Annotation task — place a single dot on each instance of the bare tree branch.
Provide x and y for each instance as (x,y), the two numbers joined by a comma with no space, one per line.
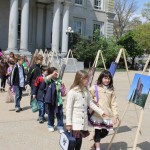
(124,10)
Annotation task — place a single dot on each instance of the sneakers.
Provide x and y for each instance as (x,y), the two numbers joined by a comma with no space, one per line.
(61,131)
(41,120)
(51,129)
(17,109)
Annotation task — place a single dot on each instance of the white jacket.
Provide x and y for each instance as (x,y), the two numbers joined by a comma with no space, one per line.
(76,109)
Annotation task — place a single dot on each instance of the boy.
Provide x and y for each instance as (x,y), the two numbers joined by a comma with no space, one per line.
(53,100)
(17,80)
(34,72)
(39,93)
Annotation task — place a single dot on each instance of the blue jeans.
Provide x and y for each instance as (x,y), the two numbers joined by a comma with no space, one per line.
(59,115)
(41,109)
(18,96)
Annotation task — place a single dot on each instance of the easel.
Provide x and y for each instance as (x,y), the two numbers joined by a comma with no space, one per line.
(68,55)
(52,57)
(33,57)
(97,58)
(94,66)
(140,119)
(63,66)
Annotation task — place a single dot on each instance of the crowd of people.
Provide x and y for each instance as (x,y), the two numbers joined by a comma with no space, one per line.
(96,104)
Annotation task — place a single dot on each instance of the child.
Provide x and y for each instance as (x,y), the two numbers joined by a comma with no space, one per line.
(38,93)
(104,96)
(78,100)
(53,101)
(11,90)
(3,74)
(17,80)
(34,72)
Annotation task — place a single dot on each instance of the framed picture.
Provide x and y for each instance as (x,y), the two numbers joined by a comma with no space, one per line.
(139,90)
(113,68)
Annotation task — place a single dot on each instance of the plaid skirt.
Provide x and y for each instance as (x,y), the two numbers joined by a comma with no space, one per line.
(80,133)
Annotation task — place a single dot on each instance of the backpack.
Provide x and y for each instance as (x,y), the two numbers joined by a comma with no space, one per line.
(67,141)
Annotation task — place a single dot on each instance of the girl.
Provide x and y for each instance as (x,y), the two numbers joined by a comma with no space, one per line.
(3,74)
(53,100)
(103,94)
(11,89)
(78,100)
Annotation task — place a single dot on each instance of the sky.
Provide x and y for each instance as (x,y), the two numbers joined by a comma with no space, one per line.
(140,5)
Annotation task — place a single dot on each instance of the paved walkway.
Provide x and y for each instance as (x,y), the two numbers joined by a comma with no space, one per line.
(21,131)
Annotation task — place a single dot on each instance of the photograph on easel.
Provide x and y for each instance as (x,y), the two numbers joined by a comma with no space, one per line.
(139,90)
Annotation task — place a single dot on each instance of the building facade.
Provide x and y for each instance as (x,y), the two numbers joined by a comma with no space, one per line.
(26,25)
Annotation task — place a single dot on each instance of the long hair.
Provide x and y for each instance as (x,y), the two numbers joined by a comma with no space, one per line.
(80,75)
(103,74)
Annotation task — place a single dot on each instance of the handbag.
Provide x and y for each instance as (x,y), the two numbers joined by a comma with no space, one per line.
(67,141)
(34,105)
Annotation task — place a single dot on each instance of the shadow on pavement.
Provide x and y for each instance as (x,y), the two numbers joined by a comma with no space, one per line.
(114,146)
(23,108)
(122,129)
(144,145)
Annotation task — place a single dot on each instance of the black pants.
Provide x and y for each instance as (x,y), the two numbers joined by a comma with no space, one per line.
(99,134)
(3,82)
(78,144)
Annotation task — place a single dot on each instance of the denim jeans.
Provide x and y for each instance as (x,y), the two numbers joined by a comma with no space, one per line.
(41,109)
(59,115)
(18,96)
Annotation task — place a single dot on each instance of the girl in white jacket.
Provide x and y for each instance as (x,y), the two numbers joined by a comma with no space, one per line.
(78,100)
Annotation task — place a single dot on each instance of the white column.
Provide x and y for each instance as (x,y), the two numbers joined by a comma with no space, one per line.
(40,32)
(65,26)
(13,27)
(49,19)
(56,27)
(24,25)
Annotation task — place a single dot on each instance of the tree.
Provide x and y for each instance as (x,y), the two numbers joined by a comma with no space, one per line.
(146,11)
(131,46)
(124,10)
(86,49)
(142,36)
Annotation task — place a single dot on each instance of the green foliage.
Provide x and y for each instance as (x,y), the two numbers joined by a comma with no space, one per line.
(86,49)
(142,36)
(131,46)
(146,11)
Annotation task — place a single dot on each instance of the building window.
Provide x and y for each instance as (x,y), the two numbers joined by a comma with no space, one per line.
(78,2)
(19,24)
(100,27)
(98,4)
(79,26)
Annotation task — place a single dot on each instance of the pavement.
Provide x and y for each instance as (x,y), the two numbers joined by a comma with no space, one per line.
(21,131)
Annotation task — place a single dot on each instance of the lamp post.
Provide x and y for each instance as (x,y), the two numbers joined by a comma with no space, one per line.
(69,32)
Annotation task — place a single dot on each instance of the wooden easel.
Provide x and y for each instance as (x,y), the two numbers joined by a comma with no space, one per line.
(68,55)
(98,55)
(63,66)
(122,51)
(33,57)
(52,57)
(97,58)
(140,119)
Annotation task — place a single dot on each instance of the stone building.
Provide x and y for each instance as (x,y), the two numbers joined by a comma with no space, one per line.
(26,25)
